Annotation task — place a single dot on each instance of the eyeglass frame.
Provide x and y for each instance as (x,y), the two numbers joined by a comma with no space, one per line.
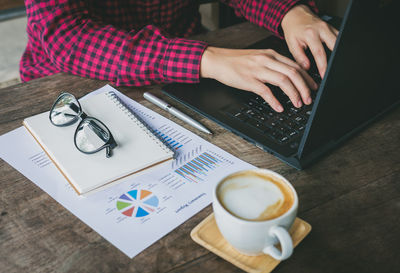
(109,145)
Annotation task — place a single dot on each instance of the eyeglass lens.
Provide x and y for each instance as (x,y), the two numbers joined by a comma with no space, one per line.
(91,135)
(65,110)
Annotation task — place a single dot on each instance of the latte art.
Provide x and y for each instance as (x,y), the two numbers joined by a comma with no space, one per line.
(255,196)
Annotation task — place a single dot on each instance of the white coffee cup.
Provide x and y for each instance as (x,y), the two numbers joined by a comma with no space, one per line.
(242,228)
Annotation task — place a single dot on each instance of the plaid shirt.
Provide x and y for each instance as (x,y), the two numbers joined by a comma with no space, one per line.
(127,42)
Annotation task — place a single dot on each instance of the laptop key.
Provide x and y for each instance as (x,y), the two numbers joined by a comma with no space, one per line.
(233,111)
(294,109)
(257,125)
(283,139)
(260,118)
(301,127)
(250,103)
(250,112)
(271,123)
(264,103)
(299,119)
(241,116)
(282,129)
(282,119)
(289,114)
(268,113)
(290,123)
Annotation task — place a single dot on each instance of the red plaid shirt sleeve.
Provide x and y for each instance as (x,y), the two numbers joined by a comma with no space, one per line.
(266,13)
(75,43)
(67,36)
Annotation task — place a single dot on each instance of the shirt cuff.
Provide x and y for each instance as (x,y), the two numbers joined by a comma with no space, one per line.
(181,62)
(283,7)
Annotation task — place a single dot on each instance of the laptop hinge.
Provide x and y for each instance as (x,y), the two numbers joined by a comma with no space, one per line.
(308,157)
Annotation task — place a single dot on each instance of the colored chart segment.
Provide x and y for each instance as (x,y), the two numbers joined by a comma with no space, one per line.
(197,169)
(137,203)
(144,194)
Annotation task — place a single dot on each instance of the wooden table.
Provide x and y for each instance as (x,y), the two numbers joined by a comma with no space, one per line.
(351,197)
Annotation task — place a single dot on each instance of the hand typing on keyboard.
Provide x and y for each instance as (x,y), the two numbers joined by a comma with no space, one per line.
(250,70)
(302,30)
(282,128)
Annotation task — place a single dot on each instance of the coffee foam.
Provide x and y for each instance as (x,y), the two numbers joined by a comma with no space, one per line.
(255,196)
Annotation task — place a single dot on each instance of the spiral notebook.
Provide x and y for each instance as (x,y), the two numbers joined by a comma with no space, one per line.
(138,148)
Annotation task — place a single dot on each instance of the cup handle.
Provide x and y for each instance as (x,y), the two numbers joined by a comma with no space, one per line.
(285,241)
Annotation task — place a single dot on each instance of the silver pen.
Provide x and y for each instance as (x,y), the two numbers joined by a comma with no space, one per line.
(164,105)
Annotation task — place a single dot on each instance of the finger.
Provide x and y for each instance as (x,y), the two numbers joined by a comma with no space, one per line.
(310,82)
(295,77)
(328,37)
(298,54)
(318,51)
(284,82)
(265,92)
(334,30)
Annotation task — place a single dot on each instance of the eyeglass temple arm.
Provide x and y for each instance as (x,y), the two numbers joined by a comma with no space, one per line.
(74,107)
(108,152)
(98,131)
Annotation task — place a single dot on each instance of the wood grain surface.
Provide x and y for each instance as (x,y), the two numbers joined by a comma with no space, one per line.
(351,197)
(10,4)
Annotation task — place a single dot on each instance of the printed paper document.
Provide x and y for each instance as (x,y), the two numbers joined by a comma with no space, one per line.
(136,212)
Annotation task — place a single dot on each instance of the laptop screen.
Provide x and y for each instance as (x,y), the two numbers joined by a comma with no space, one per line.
(361,80)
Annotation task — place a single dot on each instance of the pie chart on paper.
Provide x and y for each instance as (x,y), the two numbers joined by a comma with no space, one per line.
(137,203)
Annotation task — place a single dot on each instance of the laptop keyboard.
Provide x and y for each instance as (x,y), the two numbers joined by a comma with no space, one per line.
(283,127)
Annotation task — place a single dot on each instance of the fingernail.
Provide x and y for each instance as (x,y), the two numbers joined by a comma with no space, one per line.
(315,86)
(279,108)
(299,103)
(304,65)
(308,100)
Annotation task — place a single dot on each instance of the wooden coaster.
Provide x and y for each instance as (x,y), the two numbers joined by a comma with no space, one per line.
(208,235)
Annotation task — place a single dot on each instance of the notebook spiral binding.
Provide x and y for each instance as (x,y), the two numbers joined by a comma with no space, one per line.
(139,121)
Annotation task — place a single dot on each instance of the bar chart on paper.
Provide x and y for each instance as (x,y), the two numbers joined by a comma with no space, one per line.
(172,137)
(199,167)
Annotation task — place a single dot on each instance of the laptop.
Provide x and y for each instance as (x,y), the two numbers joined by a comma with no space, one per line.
(359,86)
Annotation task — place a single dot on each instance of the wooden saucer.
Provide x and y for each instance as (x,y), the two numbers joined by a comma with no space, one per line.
(208,235)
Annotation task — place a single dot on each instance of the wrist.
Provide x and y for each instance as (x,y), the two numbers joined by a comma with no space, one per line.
(208,62)
(294,14)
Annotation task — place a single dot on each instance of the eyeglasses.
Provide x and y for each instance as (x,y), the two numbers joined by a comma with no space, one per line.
(91,135)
